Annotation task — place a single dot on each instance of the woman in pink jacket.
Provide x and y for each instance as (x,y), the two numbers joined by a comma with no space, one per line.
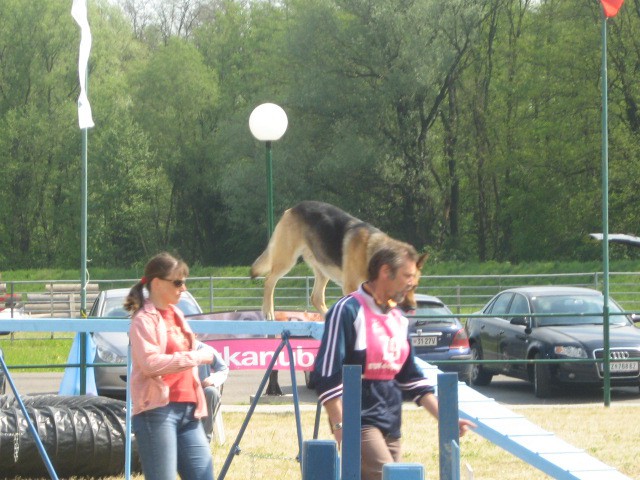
(166,394)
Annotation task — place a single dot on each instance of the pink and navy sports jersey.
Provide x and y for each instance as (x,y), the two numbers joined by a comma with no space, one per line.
(348,324)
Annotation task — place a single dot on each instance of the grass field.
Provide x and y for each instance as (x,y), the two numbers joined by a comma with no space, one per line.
(268,447)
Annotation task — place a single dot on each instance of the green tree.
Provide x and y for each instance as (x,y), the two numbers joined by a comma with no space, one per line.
(243,45)
(35,72)
(174,92)
(373,77)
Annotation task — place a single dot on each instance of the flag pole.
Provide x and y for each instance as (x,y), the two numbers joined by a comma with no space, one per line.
(83,264)
(85,121)
(605,216)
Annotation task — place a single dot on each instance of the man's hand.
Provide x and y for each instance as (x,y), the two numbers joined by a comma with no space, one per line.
(207,382)
(430,404)
(465,425)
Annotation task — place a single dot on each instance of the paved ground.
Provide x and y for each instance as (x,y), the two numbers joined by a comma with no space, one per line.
(239,389)
(242,385)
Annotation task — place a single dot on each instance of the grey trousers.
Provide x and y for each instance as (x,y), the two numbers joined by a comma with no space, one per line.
(212,395)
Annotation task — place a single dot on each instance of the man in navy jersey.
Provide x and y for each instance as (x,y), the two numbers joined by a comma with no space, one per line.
(365,328)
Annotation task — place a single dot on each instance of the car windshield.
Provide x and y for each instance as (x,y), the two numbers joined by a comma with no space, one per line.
(114,307)
(433,309)
(582,305)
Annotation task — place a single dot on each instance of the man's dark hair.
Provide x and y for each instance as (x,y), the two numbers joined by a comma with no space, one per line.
(393,255)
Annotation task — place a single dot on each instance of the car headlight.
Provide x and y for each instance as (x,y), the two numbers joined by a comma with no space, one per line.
(107,356)
(570,351)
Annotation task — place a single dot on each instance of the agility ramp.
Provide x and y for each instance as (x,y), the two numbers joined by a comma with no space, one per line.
(517,435)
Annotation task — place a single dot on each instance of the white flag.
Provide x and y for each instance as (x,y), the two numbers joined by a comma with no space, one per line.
(79,13)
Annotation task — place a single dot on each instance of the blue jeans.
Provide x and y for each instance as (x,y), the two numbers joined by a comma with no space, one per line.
(171,440)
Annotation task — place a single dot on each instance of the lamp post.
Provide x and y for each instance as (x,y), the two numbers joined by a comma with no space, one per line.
(267,123)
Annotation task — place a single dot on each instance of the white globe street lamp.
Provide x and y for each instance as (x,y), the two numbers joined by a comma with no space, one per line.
(267,123)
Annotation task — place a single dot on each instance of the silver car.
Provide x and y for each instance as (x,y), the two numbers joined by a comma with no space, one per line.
(111,347)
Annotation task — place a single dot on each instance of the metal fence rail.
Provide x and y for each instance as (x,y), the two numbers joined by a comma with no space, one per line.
(463,293)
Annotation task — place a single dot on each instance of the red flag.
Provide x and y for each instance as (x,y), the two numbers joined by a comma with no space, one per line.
(611,7)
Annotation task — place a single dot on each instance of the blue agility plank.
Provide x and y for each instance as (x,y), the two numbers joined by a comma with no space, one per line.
(402,471)
(514,433)
(351,434)
(259,327)
(448,430)
(455,460)
(320,460)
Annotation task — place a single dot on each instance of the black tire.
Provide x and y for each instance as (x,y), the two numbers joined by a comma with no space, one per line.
(542,384)
(307,380)
(464,375)
(478,375)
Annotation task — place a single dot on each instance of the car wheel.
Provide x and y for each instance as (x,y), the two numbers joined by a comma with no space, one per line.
(542,386)
(479,375)
(307,380)
(464,375)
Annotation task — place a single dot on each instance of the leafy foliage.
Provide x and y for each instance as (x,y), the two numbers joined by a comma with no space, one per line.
(470,128)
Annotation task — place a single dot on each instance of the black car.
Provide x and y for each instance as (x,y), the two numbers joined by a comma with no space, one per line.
(522,326)
(439,338)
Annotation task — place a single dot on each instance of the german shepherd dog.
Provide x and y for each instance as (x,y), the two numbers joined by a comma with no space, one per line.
(336,245)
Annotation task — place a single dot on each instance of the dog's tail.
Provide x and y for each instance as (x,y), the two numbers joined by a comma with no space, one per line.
(262,265)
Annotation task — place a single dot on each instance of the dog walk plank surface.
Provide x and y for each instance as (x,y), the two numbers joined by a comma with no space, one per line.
(531,443)
(527,441)
(543,444)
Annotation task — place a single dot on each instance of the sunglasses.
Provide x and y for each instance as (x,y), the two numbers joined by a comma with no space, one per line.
(176,283)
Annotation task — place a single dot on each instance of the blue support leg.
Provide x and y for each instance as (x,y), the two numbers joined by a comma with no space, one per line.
(127,422)
(32,429)
(351,408)
(235,448)
(448,430)
(316,423)
(294,388)
(455,460)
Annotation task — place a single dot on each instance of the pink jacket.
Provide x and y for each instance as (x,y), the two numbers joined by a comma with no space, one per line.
(148,336)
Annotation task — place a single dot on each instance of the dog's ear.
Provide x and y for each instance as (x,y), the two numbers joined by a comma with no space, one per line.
(421,260)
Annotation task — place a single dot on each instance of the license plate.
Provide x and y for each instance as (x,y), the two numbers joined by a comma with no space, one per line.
(424,341)
(623,366)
